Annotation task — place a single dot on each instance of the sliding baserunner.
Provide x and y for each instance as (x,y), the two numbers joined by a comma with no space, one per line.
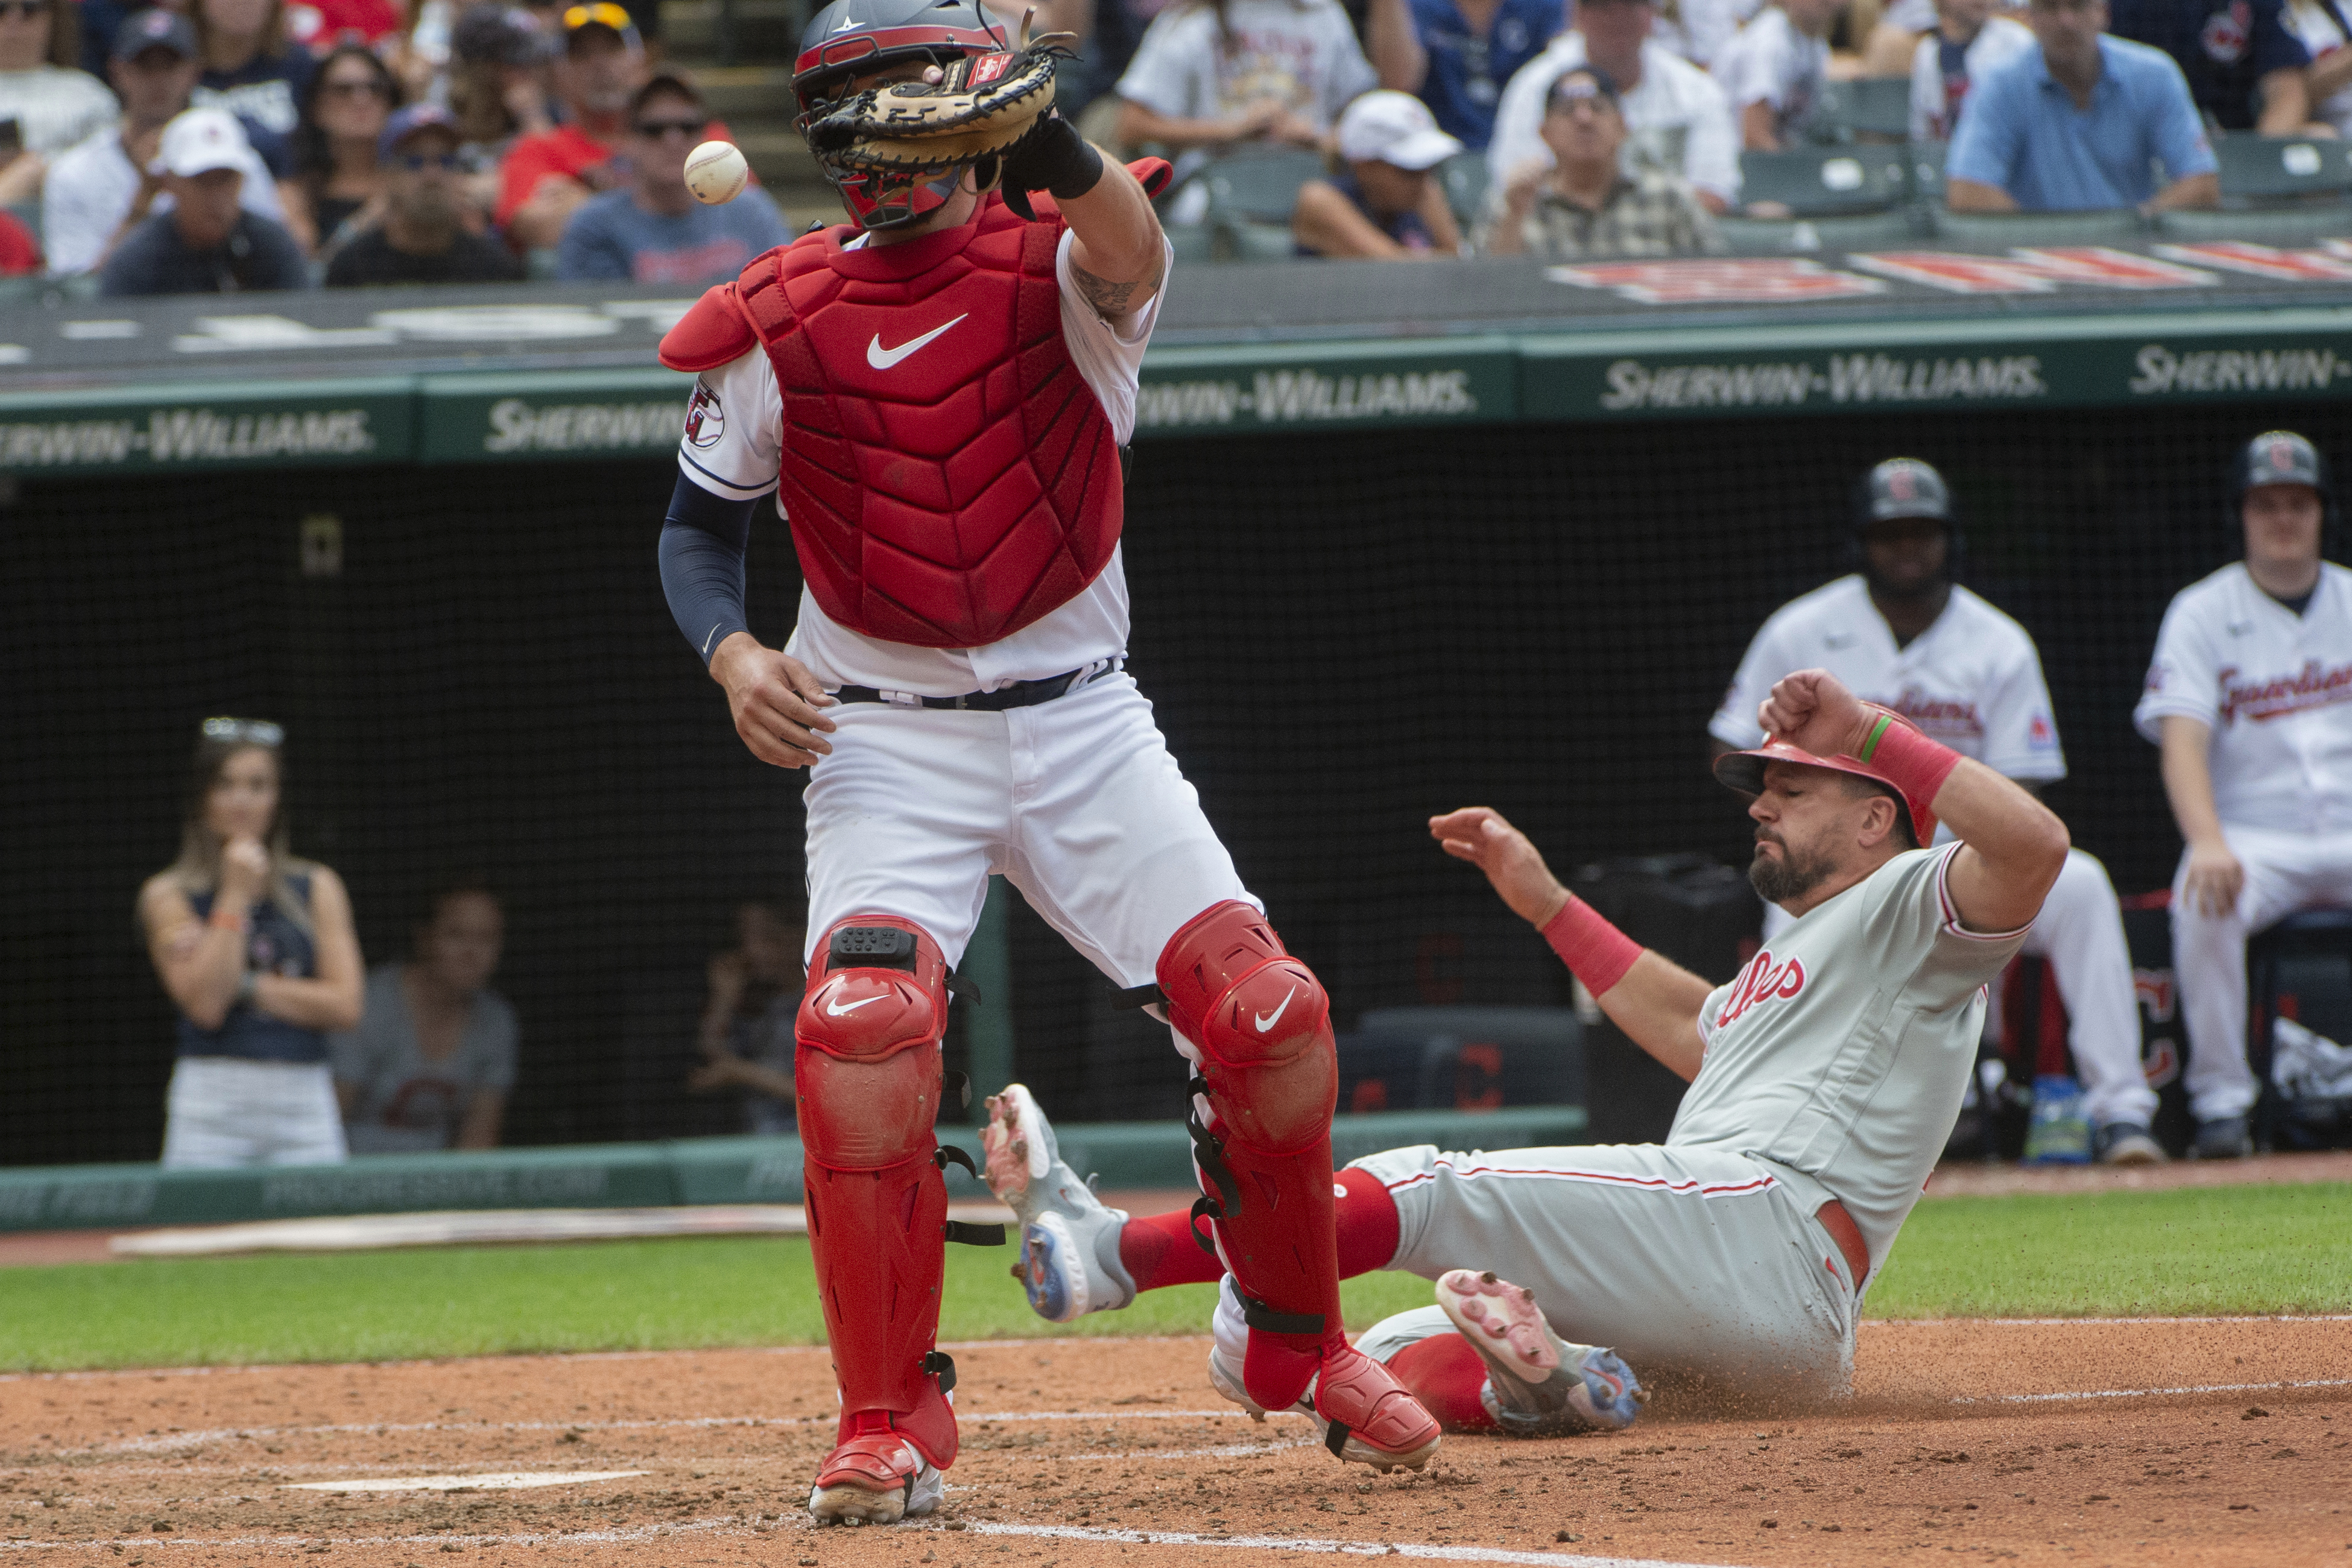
(1823,1082)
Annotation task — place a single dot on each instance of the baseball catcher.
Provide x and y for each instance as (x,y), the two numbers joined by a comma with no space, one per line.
(1824,1080)
(940,393)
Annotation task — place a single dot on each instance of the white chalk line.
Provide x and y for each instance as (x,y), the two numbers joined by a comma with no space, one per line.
(2154,1392)
(165,1441)
(2070,1322)
(730,1525)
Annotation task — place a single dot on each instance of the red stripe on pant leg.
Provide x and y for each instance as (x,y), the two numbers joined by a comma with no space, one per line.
(1368,1224)
(1158,1251)
(1445,1375)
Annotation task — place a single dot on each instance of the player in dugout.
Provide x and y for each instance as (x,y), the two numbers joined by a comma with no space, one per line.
(2247,696)
(1900,631)
(939,395)
(1824,1080)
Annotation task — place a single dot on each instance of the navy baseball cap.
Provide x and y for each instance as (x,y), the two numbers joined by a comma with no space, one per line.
(408,122)
(155,29)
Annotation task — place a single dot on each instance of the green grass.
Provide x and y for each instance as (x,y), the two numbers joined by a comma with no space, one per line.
(2208,1250)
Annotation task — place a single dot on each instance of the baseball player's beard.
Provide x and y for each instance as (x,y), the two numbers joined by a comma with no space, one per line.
(1792,876)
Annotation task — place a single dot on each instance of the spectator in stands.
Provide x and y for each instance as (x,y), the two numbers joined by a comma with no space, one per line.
(206,243)
(322,26)
(1666,101)
(1967,43)
(1586,206)
(1382,203)
(257,950)
(547,176)
(2246,697)
(501,87)
(1213,74)
(1696,30)
(256,72)
(2075,124)
(1774,71)
(1902,633)
(337,174)
(1107,33)
(1892,44)
(1458,54)
(433,1060)
(53,103)
(2324,30)
(422,236)
(652,230)
(101,189)
(2246,67)
(745,1038)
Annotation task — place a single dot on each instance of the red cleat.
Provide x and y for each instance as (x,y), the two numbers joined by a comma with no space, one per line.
(876,1477)
(1366,1415)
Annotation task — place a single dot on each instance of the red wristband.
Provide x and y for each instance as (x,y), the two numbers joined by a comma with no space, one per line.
(1906,759)
(1594,951)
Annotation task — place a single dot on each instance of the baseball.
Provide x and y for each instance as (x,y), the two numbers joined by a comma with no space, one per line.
(715,172)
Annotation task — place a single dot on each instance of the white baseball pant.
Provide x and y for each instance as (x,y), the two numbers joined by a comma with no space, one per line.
(1077,802)
(1692,1263)
(2080,932)
(2284,872)
(223,1111)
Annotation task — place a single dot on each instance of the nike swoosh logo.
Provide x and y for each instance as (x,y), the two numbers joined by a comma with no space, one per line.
(1268,1020)
(881,358)
(834,1010)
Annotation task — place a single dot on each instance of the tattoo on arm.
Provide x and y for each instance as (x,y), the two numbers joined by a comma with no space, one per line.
(1113,298)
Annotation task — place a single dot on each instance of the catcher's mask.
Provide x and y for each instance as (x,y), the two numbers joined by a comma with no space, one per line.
(853,38)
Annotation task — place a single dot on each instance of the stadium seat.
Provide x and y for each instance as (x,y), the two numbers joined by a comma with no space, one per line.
(1192,241)
(2290,226)
(1260,185)
(1995,231)
(1872,106)
(1816,182)
(1924,166)
(2260,170)
(1242,240)
(1462,1059)
(1802,236)
(1463,175)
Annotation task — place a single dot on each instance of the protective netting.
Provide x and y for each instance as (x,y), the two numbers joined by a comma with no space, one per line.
(1343,633)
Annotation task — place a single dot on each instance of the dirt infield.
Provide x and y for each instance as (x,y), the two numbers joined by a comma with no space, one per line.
(2216,1441)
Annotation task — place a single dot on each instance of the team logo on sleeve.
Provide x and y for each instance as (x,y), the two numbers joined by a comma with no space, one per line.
(1764,979)
(2040,736)
(706,422)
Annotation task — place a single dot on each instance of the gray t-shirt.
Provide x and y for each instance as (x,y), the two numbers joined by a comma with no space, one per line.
(1842,1051)
(611,238)
(408,1105)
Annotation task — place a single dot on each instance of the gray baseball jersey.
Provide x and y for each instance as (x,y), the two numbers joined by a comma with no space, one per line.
(1833,1067)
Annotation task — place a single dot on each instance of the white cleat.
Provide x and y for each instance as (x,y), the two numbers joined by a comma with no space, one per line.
(1069,1241)
(1538,1384)
(875,1479)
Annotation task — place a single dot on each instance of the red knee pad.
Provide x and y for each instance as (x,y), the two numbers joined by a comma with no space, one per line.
(1263,1026)
(868,1067)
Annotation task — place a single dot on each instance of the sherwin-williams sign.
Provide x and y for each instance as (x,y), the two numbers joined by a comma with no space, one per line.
(210,427)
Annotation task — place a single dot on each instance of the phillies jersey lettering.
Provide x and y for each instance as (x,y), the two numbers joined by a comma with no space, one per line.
(1841,1054)
(1765,979)
(1972,680)
(2274,688)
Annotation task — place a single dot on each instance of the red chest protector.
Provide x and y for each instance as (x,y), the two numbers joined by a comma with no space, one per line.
(949,476)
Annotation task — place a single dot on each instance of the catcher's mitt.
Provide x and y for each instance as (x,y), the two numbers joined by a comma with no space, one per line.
(982,107)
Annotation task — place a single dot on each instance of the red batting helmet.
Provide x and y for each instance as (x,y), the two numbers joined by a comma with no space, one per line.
(1743,771)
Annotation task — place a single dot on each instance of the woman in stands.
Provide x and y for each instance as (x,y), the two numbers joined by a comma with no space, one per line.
(258,952)
(336,173)
(51,103)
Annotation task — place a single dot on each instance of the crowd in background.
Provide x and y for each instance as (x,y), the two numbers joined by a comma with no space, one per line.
(212,146)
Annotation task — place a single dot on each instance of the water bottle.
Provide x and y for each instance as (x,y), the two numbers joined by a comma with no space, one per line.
(2057,1134)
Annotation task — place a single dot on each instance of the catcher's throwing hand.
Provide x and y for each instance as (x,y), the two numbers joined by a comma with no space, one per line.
(1480,835)
(1813,711)
(777,703)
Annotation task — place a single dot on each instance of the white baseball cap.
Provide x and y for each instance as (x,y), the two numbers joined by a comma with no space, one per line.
(199,140)
(1395,128)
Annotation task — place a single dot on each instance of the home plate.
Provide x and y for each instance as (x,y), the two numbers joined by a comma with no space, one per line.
(497,1481)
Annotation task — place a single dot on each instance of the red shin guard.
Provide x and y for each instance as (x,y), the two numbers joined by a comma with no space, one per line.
(867,1074)
(1446,1376)
(1269,1073)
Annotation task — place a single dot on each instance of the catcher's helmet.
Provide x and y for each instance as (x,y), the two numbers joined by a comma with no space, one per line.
(1744,772)
(850,38)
